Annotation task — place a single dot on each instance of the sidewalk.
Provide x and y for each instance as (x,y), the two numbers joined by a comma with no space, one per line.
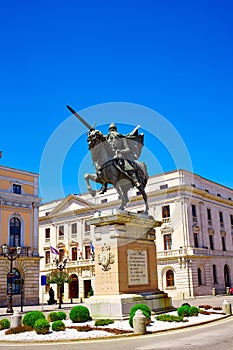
(204,300)
(197,301)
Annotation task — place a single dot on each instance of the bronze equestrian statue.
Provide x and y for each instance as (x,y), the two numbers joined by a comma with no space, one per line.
(115,157)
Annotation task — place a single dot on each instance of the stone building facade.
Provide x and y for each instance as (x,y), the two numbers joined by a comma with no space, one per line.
(194,243)
(19,205)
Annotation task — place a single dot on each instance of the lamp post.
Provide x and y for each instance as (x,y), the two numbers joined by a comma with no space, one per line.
(11,256)
(60,266)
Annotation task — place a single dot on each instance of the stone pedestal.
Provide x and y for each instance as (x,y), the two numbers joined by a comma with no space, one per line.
(125,266)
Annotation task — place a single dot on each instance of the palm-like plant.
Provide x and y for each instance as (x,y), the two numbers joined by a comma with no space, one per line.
(58,277)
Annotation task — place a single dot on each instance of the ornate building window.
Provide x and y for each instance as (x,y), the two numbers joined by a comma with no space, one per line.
(74,253)
(221,219)
(231,221)
(166,211)
(61,232)
(199,276)
(194,213)
(87,252)
(211,241)
(209,217)
(223,243)
(16,189)
(167,240)
(195,239)
(170,280)
(15,232)
(74,229)
(47,257)
(61,254)
(87,227)
(215,280)
(47,234)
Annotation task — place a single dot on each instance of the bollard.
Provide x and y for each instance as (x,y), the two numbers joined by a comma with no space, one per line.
(16,319)
(139,322)
(226,307)
(213,292)
(228,290)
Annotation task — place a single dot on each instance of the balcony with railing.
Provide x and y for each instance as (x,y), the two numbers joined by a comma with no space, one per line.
(192,251)
(81,262)
(25,251)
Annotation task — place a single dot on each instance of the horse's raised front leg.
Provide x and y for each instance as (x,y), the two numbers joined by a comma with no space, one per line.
(91,177)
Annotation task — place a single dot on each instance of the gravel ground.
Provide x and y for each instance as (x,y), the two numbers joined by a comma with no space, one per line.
(69,334)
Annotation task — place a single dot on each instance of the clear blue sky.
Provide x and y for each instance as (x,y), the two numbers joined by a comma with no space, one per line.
(174,57)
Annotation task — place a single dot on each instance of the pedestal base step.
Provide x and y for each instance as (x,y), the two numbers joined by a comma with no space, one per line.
(118,307)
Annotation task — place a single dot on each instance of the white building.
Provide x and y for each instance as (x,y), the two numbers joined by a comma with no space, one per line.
(194,243)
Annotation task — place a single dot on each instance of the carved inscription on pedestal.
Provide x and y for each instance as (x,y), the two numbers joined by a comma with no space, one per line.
(137,267)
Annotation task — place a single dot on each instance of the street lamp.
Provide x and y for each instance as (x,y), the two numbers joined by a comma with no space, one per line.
(60,266)
(11,256)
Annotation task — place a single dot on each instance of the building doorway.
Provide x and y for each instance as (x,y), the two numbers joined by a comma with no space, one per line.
(73,287)
(227,276)
(87,287)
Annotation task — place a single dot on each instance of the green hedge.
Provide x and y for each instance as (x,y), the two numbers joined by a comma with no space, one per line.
(31,317)
(55,316)
(103,322)
(186,311)
(4,323)
(58,326)
(170,318)
(42,326)
(79,314)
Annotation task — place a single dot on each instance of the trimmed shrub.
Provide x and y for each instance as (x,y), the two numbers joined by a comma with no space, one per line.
(61,315)
(103,322)
(183,311)
(193,311)
(79,314)
(19,329)
(58,326)
(55,316)
(31,317)
(42,326)
(52,316)
(142,307)
(4,323)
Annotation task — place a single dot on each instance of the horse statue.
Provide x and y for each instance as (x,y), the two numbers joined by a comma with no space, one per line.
(114,157)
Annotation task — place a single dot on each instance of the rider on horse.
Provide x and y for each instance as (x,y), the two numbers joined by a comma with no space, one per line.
(125,149)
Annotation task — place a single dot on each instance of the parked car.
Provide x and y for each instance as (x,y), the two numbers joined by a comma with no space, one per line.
(231,291)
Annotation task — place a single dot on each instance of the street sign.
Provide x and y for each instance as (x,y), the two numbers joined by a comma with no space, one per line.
(43,280)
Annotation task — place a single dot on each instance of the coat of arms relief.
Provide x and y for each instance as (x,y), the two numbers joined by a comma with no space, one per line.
(105,258)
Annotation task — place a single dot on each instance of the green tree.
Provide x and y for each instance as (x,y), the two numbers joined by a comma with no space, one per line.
(58,277)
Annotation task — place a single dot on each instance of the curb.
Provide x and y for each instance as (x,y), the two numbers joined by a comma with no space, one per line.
(112,337)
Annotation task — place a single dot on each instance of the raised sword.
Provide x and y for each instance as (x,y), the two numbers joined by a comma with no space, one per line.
(87,125)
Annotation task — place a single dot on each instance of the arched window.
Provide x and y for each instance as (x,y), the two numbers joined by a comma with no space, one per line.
(215,280)
(16,282)
(15,231)
(170,281)
(199,275)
